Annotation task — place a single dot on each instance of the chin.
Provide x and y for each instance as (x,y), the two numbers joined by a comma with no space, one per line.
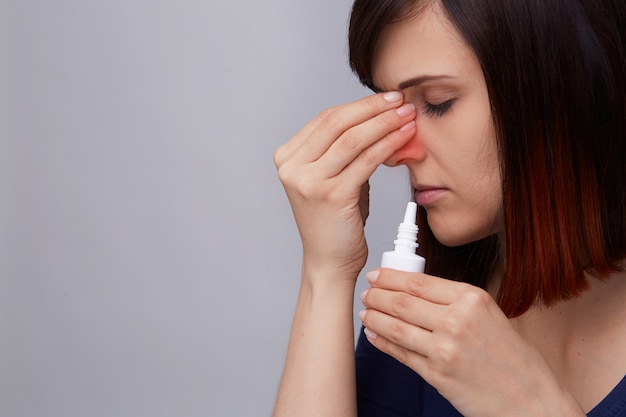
(453,241)
(459,237)
(455,231)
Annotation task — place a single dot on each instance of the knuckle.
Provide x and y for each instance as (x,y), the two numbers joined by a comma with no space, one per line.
(399,304)
(307,187)
(389,118)
(372,103)
(325,113)
(416,284)
(474,298)
(397,332)
(454,325)
(331,121)
(447,354)
(402,355)
(369,156)
(284,174)
(349,141)
(279,156)
(296,182)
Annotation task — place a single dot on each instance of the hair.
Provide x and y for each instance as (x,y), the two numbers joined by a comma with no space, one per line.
(555,72)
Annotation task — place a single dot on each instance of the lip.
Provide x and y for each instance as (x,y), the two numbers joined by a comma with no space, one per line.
(426,195)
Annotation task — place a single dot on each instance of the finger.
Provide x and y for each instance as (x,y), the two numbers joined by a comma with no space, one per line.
(413,339)
(372,157)
(434,289)
(333,123)
(286,150)
(412,359)
(408,308)
(349,146)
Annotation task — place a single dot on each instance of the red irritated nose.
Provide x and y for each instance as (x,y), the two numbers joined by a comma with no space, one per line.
(413,150)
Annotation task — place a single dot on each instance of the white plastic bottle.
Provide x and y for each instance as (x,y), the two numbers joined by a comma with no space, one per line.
(403,257)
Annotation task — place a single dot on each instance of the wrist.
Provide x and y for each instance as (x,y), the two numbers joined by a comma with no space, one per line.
(327,272)
(328,283)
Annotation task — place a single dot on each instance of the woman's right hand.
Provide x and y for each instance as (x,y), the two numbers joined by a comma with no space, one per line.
(325,169)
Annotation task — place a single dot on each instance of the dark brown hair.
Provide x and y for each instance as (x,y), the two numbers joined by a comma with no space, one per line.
(555,72)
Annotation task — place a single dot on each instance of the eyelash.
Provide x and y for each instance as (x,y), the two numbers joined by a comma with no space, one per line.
(436,110)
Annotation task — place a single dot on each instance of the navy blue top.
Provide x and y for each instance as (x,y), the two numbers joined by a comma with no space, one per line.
(387,388)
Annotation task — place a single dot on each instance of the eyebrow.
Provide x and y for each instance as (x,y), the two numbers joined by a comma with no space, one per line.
(415,81)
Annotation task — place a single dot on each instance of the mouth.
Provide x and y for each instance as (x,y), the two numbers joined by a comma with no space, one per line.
(427,195)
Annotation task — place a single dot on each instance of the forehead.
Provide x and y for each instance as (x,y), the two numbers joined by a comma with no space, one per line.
(427,44)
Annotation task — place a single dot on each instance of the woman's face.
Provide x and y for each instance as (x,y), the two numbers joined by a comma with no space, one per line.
(453,159)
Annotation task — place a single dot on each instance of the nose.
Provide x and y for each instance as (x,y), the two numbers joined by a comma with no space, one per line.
(412,151)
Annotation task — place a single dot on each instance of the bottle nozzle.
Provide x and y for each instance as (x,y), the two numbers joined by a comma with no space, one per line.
(403,257)
(407,230)
(411,213)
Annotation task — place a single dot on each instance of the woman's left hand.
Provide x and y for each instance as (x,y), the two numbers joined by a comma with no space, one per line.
(456,337)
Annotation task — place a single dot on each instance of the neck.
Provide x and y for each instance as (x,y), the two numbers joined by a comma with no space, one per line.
(602,302)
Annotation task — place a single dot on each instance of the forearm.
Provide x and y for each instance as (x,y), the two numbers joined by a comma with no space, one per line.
(319,377)
(324,169)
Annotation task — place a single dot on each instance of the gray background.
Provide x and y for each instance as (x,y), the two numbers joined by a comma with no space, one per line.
(148,257)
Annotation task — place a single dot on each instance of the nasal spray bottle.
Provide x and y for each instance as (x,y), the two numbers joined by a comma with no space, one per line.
(403,257)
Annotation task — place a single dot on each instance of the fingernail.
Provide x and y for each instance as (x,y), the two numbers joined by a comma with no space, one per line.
(406,109)
(372,276)
(362,315)
(393,96)
(370,334)
(363,294)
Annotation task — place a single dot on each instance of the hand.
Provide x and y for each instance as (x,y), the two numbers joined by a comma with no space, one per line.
(325,168)
(456,337)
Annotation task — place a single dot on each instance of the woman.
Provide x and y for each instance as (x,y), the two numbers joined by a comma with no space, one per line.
(509,116)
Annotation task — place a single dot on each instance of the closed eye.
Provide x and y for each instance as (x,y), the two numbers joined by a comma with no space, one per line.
(436,110)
